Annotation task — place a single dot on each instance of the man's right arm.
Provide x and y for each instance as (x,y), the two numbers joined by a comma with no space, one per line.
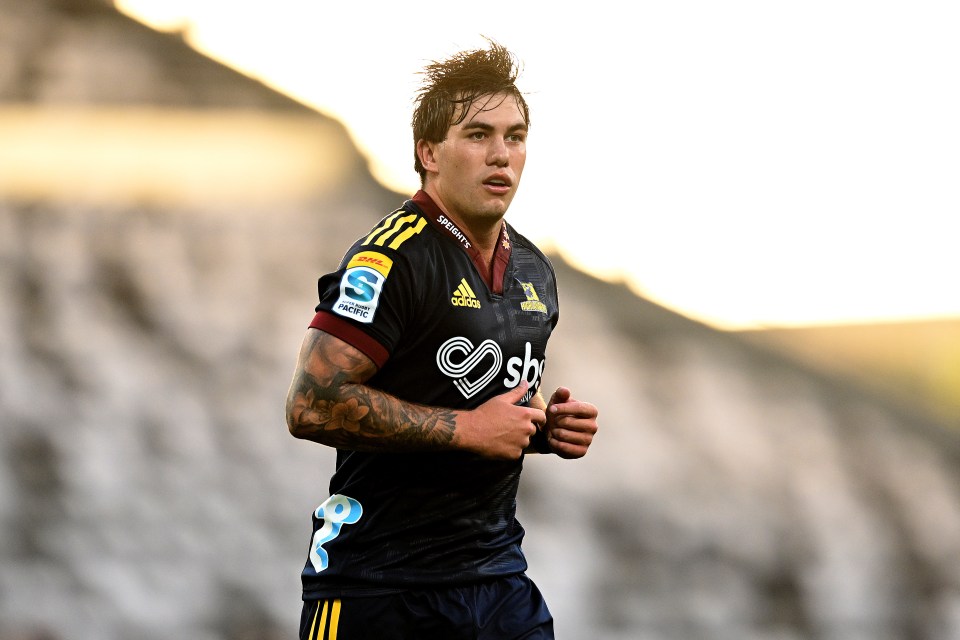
(329,403)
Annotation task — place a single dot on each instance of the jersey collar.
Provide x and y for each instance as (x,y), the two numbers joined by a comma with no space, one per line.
(501,253)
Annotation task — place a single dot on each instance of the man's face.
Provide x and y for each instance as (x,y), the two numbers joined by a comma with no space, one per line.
(476,170)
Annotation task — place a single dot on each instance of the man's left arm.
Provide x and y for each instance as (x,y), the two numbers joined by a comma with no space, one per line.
(571,424)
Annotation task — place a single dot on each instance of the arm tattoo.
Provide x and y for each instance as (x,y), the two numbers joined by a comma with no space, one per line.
(329,403)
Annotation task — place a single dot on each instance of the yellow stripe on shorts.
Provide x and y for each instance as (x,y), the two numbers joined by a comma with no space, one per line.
(328,626)
(334,619)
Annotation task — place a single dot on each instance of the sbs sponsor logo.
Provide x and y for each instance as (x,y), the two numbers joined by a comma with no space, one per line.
(458,359)
(529,369)
(474,367)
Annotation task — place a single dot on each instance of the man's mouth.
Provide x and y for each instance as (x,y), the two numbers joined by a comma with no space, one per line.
(497,182)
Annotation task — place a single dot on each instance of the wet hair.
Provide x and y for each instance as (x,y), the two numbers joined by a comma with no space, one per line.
(450,87)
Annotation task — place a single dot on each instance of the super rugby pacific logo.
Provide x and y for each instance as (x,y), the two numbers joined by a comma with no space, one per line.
(472,368)
(361,285)
(359,294)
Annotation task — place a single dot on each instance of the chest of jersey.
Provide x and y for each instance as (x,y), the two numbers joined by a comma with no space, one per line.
(466,344)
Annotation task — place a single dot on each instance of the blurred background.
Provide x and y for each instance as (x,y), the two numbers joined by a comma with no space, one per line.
(773,337)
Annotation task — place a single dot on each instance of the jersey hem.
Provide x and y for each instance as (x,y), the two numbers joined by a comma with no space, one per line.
(370,591)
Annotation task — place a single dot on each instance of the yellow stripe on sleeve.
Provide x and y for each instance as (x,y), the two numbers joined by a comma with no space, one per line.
(386,225)
(403,237)
(394,228)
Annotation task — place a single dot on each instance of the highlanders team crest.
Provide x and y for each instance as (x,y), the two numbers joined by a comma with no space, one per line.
(532,303)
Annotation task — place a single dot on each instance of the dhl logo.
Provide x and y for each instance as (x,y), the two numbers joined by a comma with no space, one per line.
(376,261)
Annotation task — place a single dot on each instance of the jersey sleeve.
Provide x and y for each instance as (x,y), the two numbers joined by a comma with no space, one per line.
(368,301)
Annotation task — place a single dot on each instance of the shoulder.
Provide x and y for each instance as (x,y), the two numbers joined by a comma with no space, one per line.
(396,229)
(521,241)
(379,285)
(395,234)
(402,236)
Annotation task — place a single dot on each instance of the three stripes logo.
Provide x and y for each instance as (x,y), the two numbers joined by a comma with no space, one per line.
(396,229)
(326,620)
(464,296)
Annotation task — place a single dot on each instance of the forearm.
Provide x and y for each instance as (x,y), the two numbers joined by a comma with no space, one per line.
(357,417)
(329,403)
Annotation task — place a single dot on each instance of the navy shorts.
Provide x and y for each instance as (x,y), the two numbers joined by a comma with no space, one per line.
(510,608)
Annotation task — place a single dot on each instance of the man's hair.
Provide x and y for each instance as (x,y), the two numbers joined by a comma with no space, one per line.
(450,87)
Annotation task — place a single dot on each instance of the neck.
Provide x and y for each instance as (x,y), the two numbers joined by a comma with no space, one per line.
(490,261)
(483,232)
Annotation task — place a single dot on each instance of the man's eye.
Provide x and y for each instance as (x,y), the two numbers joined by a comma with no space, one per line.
(517,137)
(477,135)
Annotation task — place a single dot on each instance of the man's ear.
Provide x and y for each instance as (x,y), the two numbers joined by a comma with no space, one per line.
(427,152)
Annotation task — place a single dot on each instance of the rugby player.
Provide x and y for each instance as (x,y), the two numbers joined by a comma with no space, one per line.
(422,367)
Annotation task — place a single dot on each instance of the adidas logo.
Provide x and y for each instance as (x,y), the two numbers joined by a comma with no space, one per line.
(464,296)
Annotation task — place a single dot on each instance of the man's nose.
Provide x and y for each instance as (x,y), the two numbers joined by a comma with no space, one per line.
(497,154)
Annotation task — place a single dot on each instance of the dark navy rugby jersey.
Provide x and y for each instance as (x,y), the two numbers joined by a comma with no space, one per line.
(409,295)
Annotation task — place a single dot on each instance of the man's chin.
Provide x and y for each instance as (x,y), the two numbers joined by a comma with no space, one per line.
(497,207)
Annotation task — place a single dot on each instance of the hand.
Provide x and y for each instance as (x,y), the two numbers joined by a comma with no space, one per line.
(499,428)
(571,424)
